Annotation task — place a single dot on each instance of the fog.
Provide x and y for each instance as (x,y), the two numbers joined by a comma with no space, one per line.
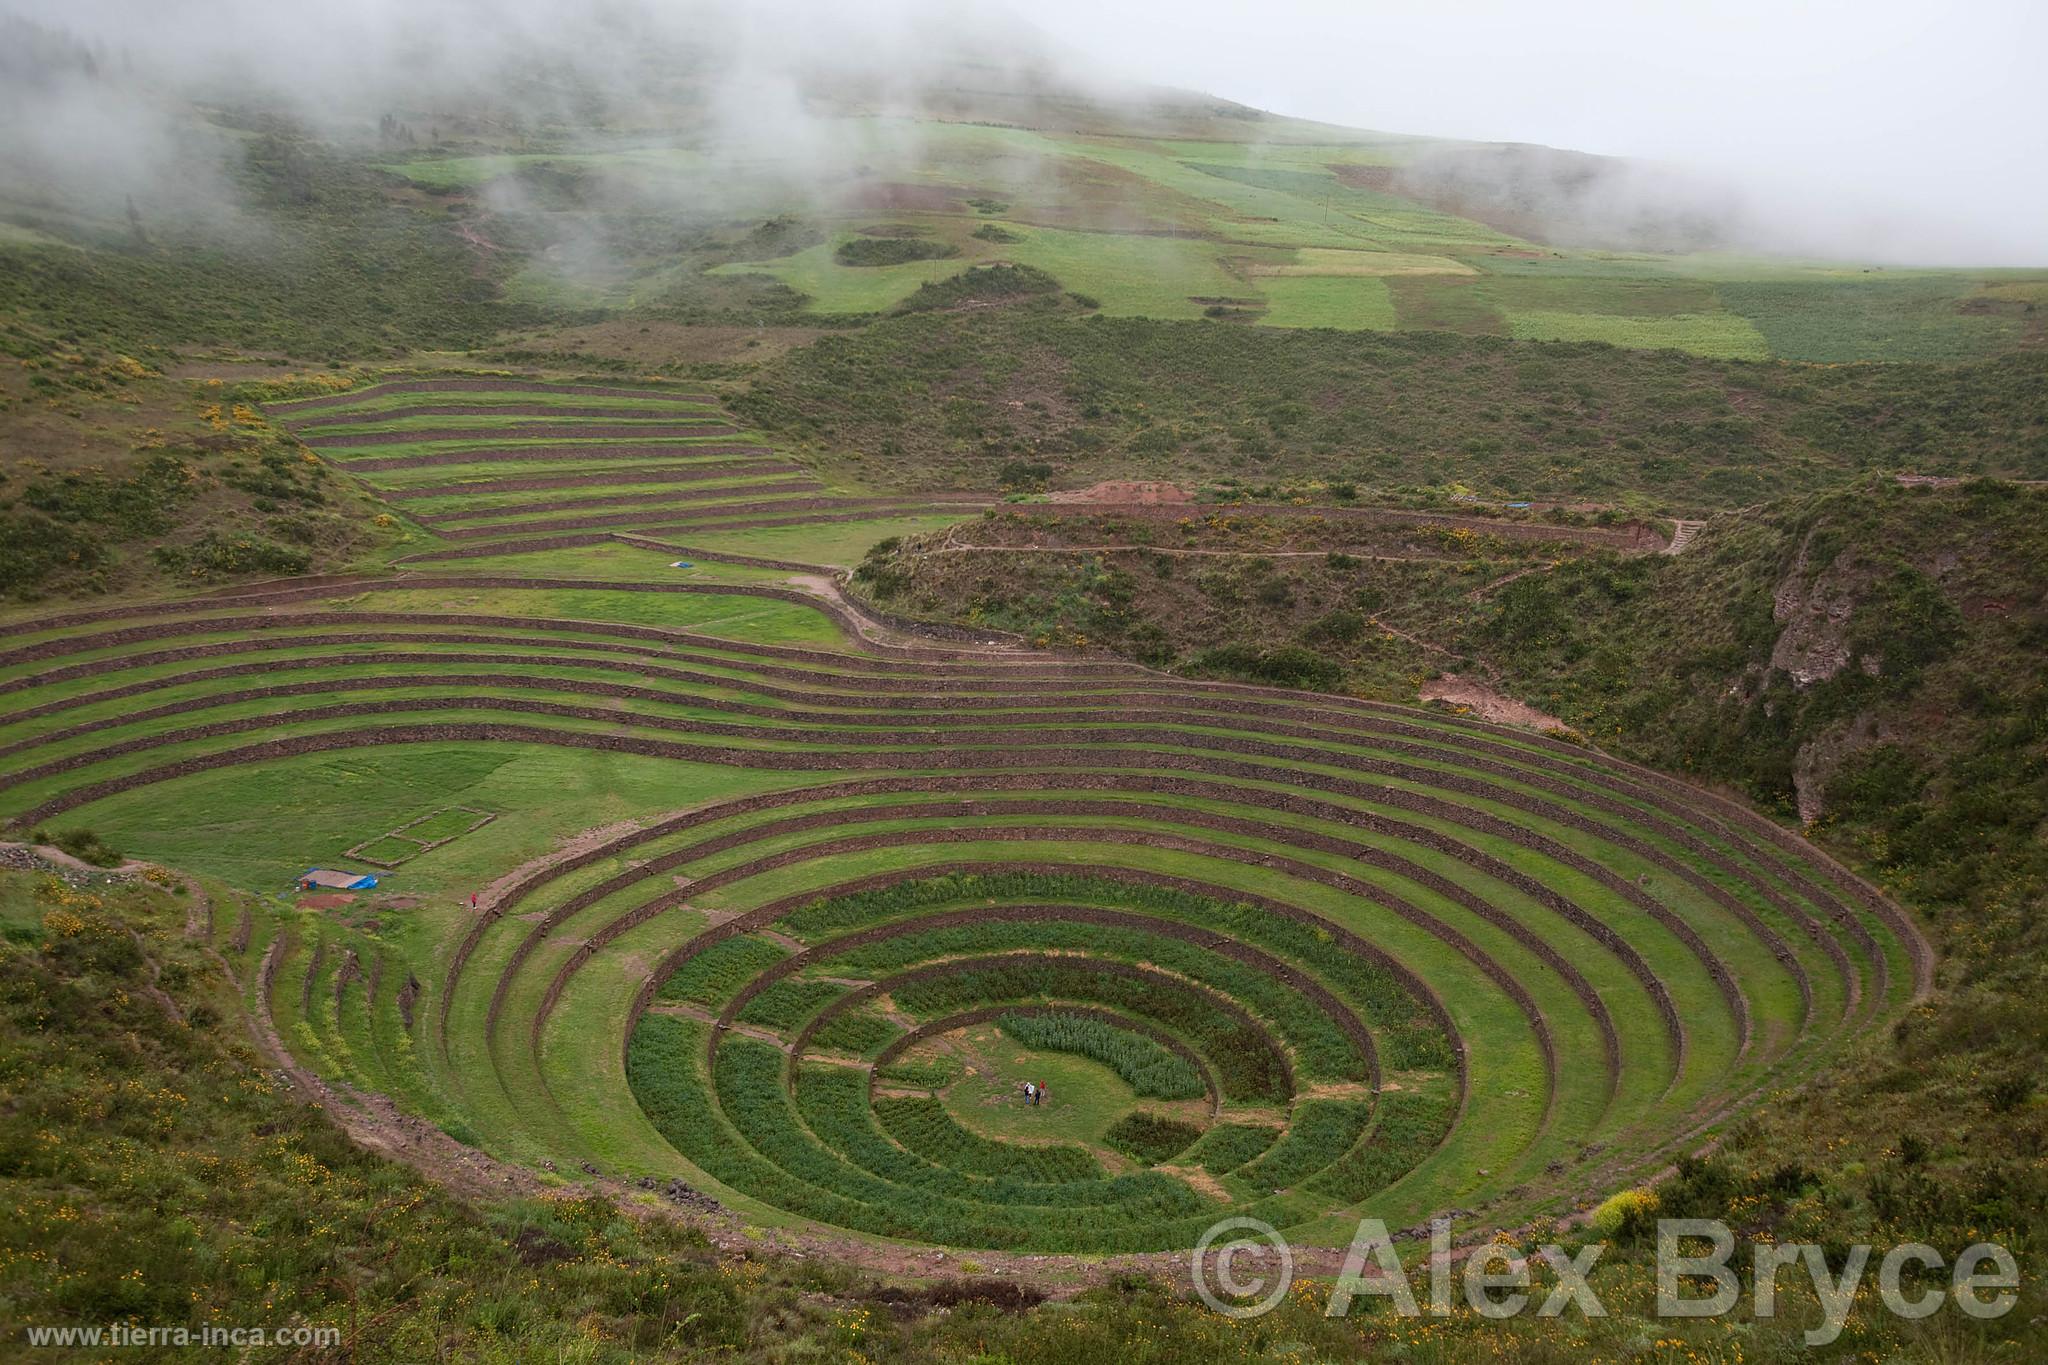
(1880,131)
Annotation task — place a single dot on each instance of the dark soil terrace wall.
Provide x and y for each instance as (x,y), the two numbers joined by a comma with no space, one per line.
(548,454)
(538,509)
(470,384)
(689,473)
(530,431)
(338,419)
(678,516)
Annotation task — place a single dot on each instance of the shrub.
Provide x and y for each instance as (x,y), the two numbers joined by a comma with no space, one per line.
(84,845)
(871,251)
(1628,1216)
(1288,666)
(984,283)
(1024,475)
(214,555)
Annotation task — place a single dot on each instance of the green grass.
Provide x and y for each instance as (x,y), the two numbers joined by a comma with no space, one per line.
(1844,318)
(1713,334)
(1129,276)
(261,825)
(750,619)
(1352,303)
(833,287)
(1084,1098)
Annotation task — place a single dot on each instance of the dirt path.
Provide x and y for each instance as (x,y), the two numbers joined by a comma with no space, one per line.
(1488,704)
(875,631)
(1487,590)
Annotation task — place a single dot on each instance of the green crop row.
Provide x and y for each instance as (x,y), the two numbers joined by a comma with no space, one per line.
(1409,1124)
(1322,1132)
(833,1101)
(864,1031)
(1149,1068)
(789,1002)
(1408,1036)
(923,1126)
(1150,1138)
(1248,1067)
(1322,1050)
(747,1081)
(939,1071)
(712,976)
(1228,1146)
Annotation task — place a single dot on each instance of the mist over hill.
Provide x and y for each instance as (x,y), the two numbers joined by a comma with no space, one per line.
(104,104)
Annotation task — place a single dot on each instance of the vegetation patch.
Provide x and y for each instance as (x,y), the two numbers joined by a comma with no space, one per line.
(1149,1068)
(1151,1138)
(873,251)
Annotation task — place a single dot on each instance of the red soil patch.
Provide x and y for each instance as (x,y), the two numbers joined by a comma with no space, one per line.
(1125,490)
(333,902)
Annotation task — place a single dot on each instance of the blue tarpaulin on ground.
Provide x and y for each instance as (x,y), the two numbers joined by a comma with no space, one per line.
(324,879)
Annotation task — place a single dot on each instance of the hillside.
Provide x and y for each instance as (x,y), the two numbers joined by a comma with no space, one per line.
(518,184)
(1869,658)
(682,687)
(1029,396)
(1872,660)
(122,995)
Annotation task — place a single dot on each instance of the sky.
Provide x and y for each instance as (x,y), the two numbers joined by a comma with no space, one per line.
(1917,124)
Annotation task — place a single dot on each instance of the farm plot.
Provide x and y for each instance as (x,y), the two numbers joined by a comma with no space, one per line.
(1288,952)
(494,466)
(421,835)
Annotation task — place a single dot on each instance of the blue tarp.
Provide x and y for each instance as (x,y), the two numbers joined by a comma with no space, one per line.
(325,879)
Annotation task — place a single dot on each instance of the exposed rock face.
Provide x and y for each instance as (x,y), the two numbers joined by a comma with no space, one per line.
(1815,610)
(1814,645)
